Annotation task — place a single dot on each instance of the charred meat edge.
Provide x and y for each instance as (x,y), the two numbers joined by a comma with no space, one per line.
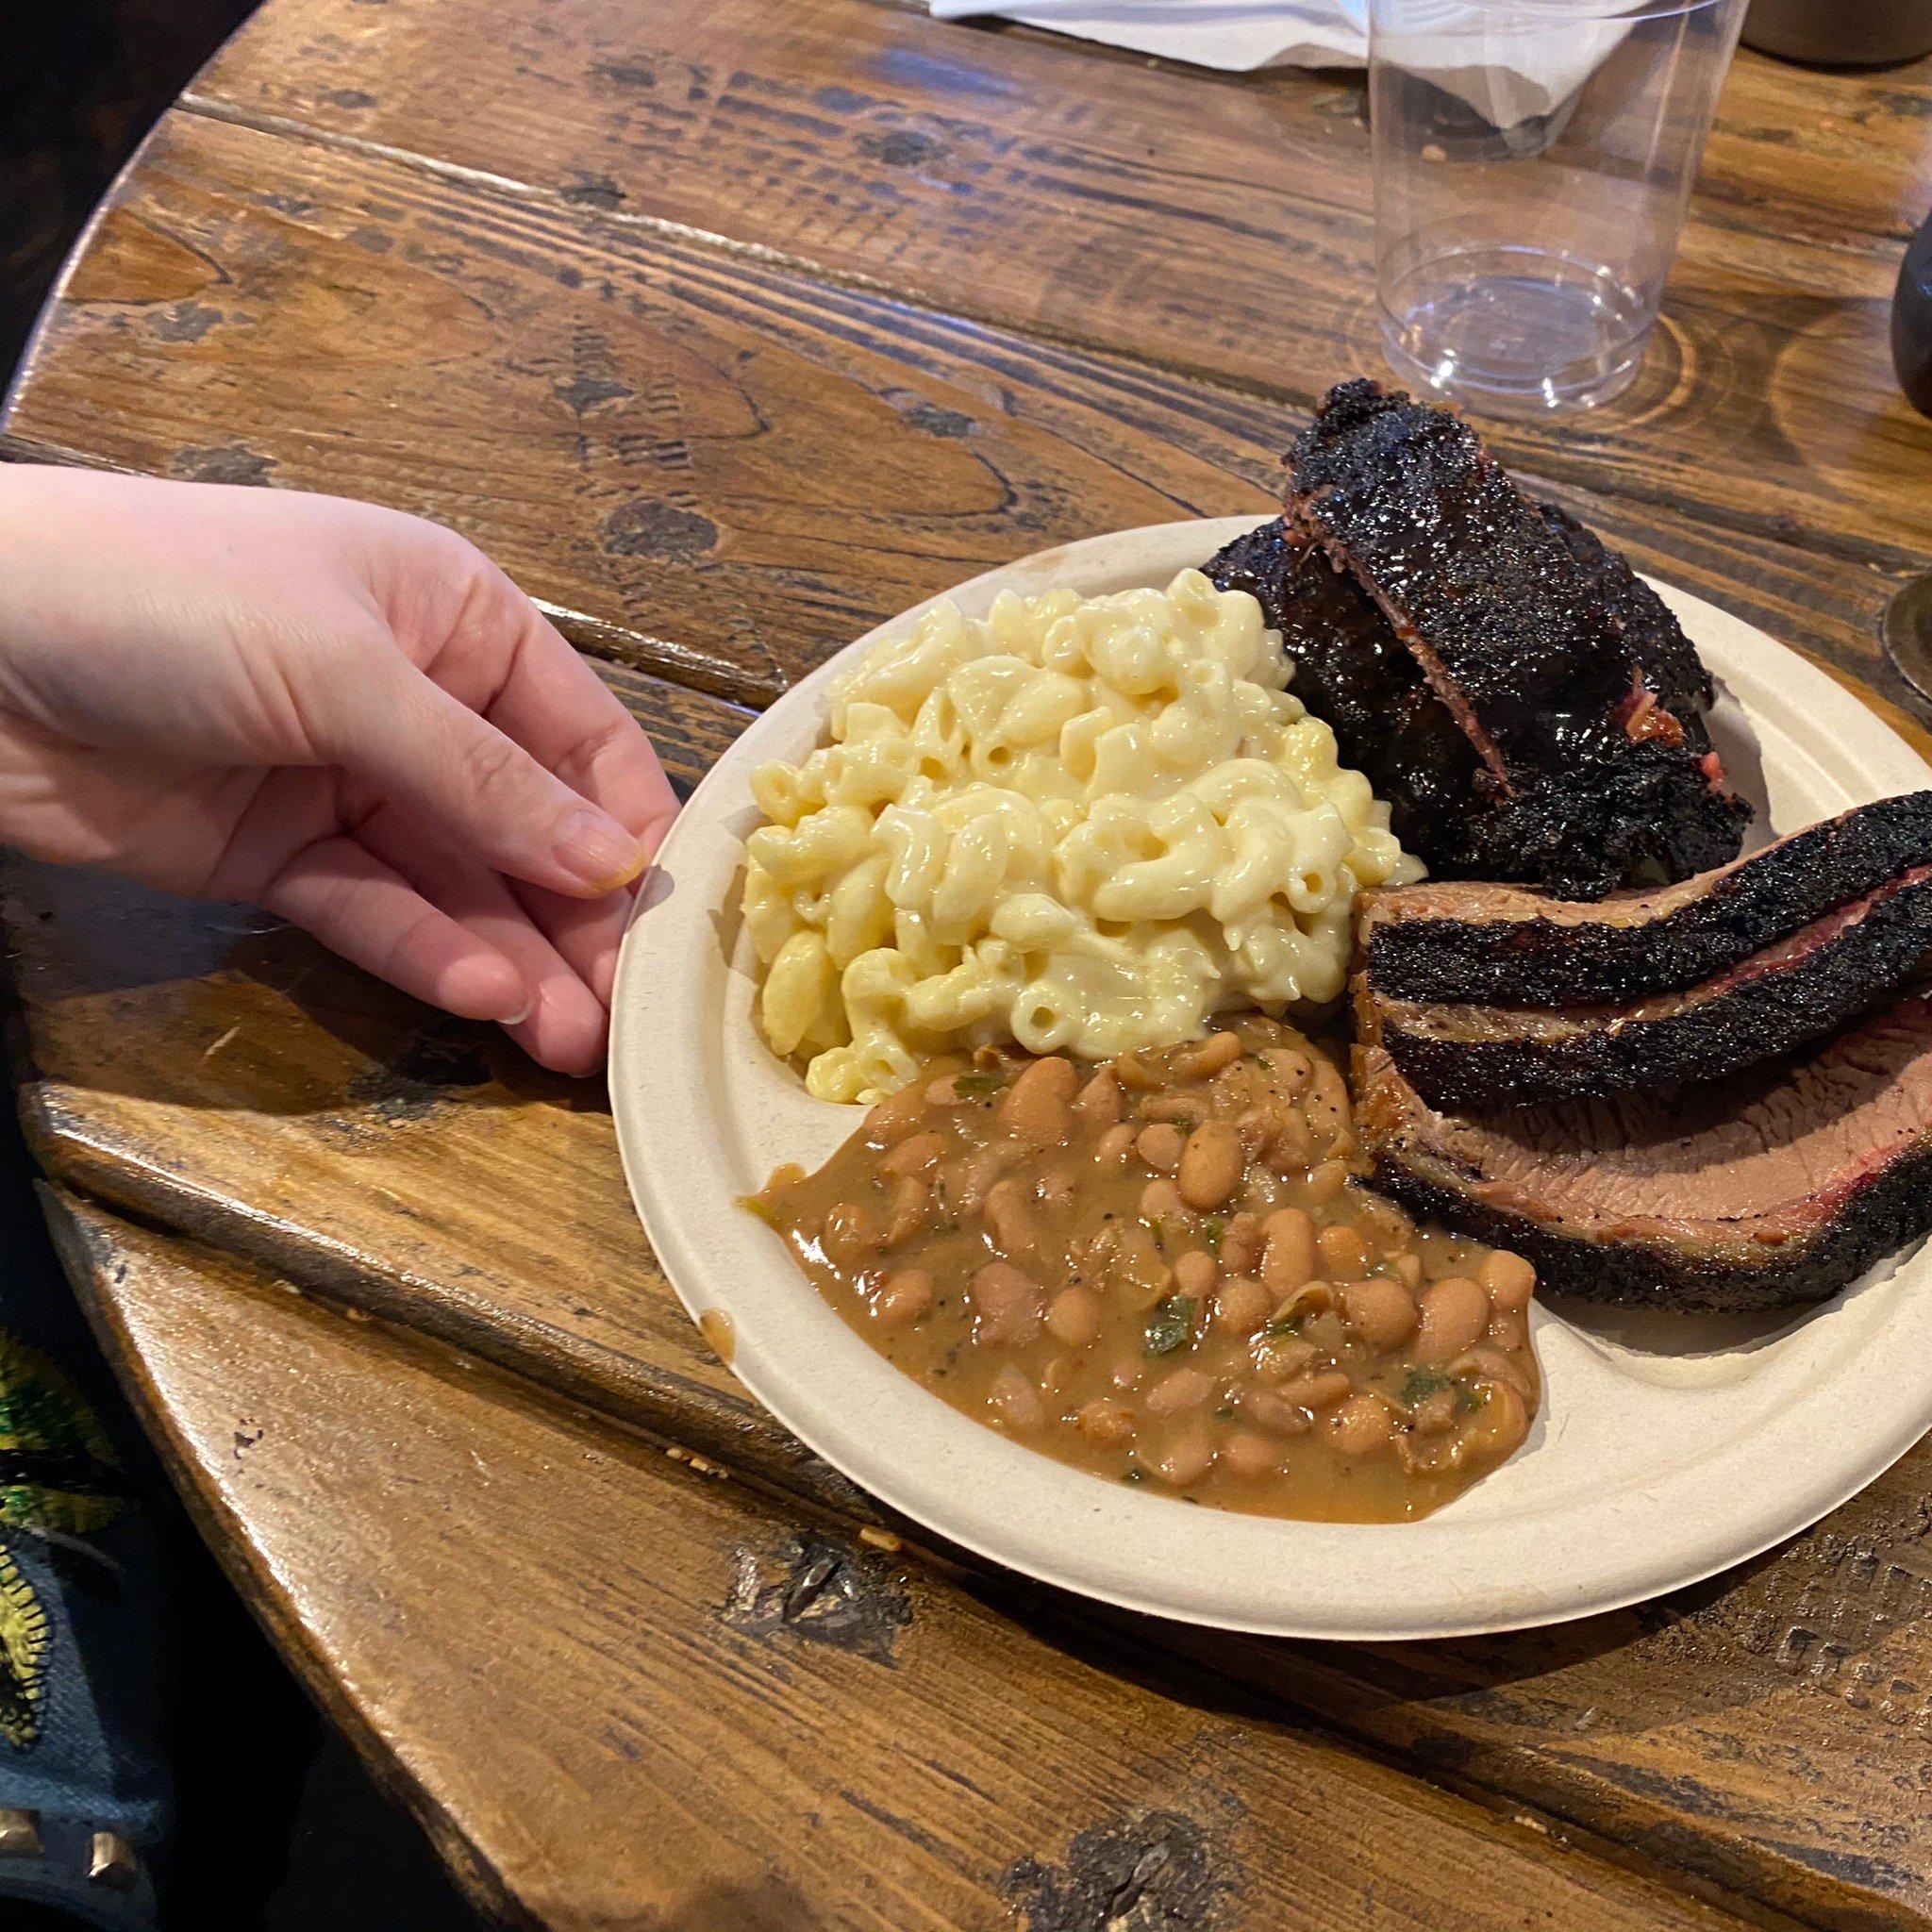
(1537,639)
(1476,1058)
(1466,941)
(1819,1242)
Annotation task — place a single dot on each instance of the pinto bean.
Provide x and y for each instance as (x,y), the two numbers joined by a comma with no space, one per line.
(1327,1104)
(1288,1258)
(1055,1191)
(1178,1389)
(1106,1424)
(911,1200)
(897,1114)
(1509,1332)
(1282,1360)
(1011,1218)
(1251,1456)
(1015,1400)
(1455,1313)
(1242,1243)
(847,1237)
(1035,1106)
(920,1153)
(1344,1254)
(1241,1304)
(1326,1182)
(1322,1389)
(1160,1200)
(1006,1303)
(1290,1068)
(1504,1419)
(1199,1063)
(1267,1408)
(1183,1109)
(1383,1313)
(1258,1127)
(1509,1279)
(1362,1426)
(1188,1456)
(1073,1316)
(1160,1147)
(1194,1273)
(1113,1146)
(1210,1165)
(902,1297)
(1099,1102)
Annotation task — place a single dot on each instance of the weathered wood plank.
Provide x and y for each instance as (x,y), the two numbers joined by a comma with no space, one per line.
(600,1743)
(1217,223)
(726,469)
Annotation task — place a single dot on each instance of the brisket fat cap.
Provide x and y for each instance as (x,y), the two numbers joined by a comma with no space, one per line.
(1474,942)
(1573,685)
(1766,1191)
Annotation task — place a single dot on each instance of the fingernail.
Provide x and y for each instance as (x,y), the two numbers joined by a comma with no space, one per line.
(594,848)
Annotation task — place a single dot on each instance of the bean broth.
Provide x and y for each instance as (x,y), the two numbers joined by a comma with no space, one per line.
(1166,1271)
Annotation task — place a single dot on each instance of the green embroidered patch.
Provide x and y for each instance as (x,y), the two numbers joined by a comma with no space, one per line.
(24,1641)
(57,1470)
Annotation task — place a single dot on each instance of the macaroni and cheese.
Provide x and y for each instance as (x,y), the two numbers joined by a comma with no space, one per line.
(1081,824)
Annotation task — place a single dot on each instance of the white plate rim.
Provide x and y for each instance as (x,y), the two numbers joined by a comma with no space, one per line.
(1026,1512)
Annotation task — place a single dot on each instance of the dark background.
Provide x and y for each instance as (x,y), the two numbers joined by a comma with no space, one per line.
(281,1830)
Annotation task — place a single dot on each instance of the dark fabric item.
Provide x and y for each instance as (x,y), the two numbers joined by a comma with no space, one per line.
(83,1614)
(84,79)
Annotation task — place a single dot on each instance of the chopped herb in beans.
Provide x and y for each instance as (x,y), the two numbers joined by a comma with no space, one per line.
(1171,1326)
(1421,1384)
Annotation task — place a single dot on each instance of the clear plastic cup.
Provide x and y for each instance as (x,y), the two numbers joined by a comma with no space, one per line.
(1533,160)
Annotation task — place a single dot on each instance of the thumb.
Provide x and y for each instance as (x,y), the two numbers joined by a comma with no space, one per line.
(401,732)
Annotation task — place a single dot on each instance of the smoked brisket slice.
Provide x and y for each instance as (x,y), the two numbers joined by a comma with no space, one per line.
(1760,1193)
(1573,686)
(1483,1057)
(1482,943)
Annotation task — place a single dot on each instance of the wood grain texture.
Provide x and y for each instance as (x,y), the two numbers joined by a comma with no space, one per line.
(722,470)
(620,1693)
(1231,237)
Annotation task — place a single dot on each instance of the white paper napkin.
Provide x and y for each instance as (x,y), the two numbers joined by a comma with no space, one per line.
(1528,66)
(1236,35)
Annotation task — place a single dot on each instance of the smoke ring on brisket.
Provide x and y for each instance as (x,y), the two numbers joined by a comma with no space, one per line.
(1766,1191)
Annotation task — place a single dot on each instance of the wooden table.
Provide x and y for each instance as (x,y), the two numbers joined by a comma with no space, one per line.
(730,330)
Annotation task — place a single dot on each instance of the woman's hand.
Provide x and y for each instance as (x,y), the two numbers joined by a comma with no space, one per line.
(340,713)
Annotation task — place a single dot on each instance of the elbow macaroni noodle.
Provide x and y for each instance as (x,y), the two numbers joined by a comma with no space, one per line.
(1085,824)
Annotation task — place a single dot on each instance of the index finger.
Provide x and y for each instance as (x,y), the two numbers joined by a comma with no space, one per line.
(553,704)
